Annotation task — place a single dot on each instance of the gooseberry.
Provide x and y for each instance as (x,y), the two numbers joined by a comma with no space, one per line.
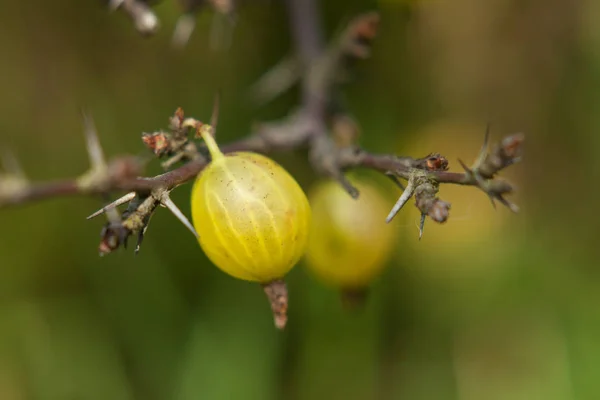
(251,215)
(350,243)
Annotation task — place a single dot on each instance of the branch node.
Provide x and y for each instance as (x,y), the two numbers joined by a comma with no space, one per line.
(426,199)
(488,164)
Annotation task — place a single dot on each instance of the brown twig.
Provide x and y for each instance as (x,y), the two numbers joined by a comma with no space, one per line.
(291,133)
(268,138)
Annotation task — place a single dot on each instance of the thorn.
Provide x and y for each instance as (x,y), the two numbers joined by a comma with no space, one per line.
(112,214)
(11,165)
(492,201)
(141,235)
(168,203)
(147,22)
(214,118)
(140,11)
(462,164)
(122,200)
(139,240)
(183,30)
(114,4)
(220,32)
(93,144)
(210,128)
(406,195)
(275,81)
(484,147)
(422,225)
(394,179)
(511,206)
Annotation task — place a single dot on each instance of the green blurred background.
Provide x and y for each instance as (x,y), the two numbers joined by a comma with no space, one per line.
(490,305)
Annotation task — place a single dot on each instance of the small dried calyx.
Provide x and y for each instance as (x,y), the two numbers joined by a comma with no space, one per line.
(176,144)
(277,294)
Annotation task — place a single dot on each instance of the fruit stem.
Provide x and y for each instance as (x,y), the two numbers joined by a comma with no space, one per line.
(206,133)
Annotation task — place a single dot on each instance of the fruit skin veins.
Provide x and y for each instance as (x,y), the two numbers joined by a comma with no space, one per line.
(251,215)
(351,243)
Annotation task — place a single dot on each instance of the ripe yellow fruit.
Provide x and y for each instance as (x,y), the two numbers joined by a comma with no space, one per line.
(252,217)
(350,243)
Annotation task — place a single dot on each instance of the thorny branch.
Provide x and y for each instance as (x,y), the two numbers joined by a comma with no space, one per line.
(318,126)
(313,127)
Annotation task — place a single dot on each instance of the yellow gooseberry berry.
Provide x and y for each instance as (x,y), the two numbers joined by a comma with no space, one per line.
(252,217)
(350,243)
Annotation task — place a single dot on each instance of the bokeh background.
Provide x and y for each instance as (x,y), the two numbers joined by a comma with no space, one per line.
(490,305)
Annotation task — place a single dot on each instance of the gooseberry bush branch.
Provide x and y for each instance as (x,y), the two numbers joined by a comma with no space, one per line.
(320,126)
(328,136)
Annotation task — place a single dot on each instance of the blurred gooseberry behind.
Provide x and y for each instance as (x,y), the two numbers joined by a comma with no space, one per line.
(349,244)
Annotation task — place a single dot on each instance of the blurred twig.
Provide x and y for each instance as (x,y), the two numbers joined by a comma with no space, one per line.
(144,19)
